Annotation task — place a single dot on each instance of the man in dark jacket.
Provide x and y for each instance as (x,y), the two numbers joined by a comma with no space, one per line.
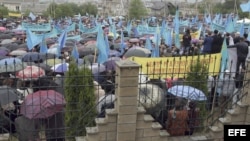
(242,52)
(186,40)
(207,43)
(217,42)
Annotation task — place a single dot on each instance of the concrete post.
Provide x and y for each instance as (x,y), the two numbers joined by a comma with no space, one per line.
(126,104)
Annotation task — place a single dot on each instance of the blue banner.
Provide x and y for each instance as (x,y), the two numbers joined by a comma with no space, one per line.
(146,29)
(50,34)
(36,27)
(85,30)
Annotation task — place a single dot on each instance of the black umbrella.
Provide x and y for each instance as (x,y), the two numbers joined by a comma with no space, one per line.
(8,95)
(5,36)
(85,51)
(33,57)
(12,46)
(136,53)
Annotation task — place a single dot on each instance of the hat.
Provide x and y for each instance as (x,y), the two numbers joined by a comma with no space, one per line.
(237,33)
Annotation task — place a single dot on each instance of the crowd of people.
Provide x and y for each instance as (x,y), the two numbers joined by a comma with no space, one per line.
(179,119)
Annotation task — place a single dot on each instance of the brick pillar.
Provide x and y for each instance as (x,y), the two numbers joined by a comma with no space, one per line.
(246,90)
(126,104)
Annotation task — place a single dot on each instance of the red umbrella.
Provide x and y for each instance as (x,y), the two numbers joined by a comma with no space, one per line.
(2,28)
(42,104)
(30,73)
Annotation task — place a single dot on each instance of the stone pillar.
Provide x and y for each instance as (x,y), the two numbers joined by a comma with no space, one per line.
(246,84)
(126,104)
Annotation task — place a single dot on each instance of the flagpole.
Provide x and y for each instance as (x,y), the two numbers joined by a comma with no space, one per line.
(95,56)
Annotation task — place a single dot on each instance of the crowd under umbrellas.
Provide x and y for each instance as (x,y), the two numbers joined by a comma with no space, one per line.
(32,84)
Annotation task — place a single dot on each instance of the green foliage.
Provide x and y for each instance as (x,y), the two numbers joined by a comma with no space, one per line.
(224,8)
(79,94)
(26,13)
(88,8)
(197,78)
(197,75)
(3,11)
(137,10)
(69,10)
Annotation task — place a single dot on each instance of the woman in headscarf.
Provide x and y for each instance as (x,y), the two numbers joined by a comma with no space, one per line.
(177,121)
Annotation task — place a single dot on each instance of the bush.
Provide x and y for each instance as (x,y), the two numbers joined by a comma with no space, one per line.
(197,78)
(80,98)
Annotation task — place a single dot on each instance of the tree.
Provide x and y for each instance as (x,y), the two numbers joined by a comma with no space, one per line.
(197,78)
(80,98)
(26,13)
(51,10)
(88,8)
(3,11)
(137,9)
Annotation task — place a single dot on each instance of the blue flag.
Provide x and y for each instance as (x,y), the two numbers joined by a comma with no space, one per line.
(43,45)
(224,58)
(75,53)
(32,16)
(102,53)
(122,46)
(176,29)
(245,7)
(107,44)
(242,29)
(62,39)
(148,44)
(32,39)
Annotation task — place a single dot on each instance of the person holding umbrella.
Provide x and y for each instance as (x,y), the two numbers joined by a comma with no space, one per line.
(177,121)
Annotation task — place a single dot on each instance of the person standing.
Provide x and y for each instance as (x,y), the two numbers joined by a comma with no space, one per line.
(186,41)
(207,44)
(177,119)
(242,52)
(217,42)
(229,39)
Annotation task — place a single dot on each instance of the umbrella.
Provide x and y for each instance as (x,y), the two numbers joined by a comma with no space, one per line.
(42,104)
(11,65)
(52,62)
(30,73)
(41,65)
(85,51)
(134,40)
(187,92)
(12,46)
(114,58)
(97,68)
(60,68)
(5,36)
(2,28)
(53,50)
(33,57)
(5,49)
(89,58)
(114,53)
(91,46)
(110,65)
(8,95)
(6,41)
(150,95)
(135,52)
(17,53)
(3,52)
